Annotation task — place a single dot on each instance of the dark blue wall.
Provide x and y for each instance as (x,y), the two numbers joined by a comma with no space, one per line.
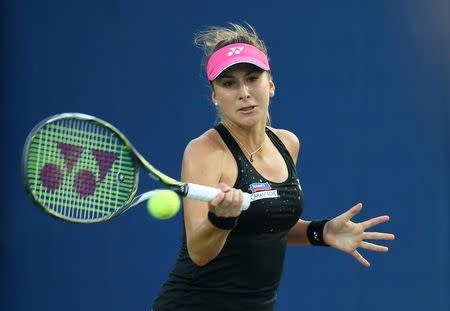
(364,84)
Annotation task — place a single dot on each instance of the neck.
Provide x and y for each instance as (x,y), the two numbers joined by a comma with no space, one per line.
(250,140)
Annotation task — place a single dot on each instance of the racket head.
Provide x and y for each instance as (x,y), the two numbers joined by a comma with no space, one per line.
(79,168)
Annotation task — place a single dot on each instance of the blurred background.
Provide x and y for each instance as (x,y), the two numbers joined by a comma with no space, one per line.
(365,85)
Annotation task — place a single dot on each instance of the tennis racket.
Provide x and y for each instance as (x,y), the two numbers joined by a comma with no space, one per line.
(79,168)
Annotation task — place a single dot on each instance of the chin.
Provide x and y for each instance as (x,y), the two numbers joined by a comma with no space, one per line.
(249,121)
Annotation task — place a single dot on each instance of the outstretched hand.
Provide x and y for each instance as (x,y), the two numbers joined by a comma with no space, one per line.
(347,236)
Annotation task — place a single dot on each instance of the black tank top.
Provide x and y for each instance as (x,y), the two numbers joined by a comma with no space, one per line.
(246,273)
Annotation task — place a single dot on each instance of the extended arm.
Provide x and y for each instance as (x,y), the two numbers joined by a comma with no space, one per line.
(344,235)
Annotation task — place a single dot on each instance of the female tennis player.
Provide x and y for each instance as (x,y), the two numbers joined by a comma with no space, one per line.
(232,259)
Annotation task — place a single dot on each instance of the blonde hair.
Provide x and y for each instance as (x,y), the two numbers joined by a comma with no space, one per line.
(215,37)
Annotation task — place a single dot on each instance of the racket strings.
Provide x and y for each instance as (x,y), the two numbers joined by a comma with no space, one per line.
(101,179)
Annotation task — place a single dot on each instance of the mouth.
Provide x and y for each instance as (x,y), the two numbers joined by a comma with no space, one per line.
(247,109)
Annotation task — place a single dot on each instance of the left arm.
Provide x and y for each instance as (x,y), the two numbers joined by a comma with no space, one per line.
(340,232)
(344,235)
(297,234)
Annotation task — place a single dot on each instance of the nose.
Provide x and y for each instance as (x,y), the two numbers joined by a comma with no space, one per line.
(244,92)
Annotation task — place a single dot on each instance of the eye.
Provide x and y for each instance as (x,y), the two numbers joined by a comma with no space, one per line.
(254,76)
(227,83)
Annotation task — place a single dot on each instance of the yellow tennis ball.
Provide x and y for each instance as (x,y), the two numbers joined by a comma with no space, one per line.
(164,204)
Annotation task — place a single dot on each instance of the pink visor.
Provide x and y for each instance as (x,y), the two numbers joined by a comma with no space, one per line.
(233,54)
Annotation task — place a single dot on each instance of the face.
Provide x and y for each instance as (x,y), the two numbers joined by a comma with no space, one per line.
(243,92)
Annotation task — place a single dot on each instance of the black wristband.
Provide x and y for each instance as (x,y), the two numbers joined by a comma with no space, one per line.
(314,232)
(225,223)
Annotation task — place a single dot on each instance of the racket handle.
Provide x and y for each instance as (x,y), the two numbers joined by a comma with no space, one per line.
(205,194)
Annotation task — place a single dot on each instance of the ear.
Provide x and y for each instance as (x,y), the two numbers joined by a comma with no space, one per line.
(271,88)
(213,96)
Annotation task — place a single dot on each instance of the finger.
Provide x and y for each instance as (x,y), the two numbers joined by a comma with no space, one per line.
(240,199)
(227,200)
(217,199)
(230,206)
(224,187)
(374,221)
(234,198)
(378,236)
(352,211)
(361,259)
(374,247)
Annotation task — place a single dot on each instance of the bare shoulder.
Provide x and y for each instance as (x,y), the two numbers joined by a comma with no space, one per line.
(290,140)
(287,137)
(206,145)
(202,159)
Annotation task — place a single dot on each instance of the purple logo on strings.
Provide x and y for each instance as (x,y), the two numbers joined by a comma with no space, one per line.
(86,182)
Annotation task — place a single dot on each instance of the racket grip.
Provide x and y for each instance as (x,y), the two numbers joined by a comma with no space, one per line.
(205,194)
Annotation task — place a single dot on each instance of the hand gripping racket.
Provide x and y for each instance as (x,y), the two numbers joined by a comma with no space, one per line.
(82,169)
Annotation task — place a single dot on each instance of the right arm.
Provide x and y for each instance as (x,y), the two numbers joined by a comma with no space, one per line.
(202,164)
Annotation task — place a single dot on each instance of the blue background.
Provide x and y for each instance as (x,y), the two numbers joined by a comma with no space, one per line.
(364,84)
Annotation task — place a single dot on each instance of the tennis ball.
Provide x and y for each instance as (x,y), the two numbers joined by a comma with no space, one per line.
(163,204)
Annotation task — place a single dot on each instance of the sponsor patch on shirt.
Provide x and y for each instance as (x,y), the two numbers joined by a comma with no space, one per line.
(263,195)
(259,186)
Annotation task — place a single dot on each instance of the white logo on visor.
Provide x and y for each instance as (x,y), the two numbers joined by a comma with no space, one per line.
(236,50)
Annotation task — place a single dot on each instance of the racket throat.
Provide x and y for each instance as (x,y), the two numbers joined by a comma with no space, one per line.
(182,190)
